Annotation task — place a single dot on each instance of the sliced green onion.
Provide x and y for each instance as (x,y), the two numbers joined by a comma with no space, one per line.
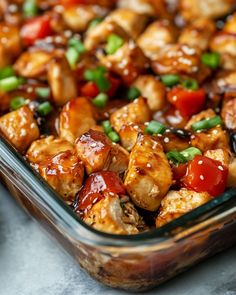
(100,100)
(42,92)
(114,137)
(207,123)
(114,42)
(170,80)
(6,72)
(44,108)
(211,60)
(97,75)
(77,44)
(155,127)
(190,153)
(30,8)
(95,22)
(9,84)
(190,84)
(176,157)
(17,102)
(107,126)
(72,56)
(133,93)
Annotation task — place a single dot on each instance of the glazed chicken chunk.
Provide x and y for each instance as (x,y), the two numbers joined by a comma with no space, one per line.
(20,128)
(64,172)
(149,175)
(177,203)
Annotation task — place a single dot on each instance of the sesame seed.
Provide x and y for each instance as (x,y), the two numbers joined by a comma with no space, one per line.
(202,177)
(200,162)
(166,140)
(149,165)
(221,168)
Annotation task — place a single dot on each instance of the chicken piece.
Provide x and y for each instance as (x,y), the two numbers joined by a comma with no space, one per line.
(206,114)
(98,153)
(139,6)
(156,35)
(128,62)
(153,90)
(78,17)
(129,133)
(221,155)
(44,148)
(149,175)
(214,138)
(196,35)
(62,81)
(5,59)
(182,60)
(114,215)
(33,64)
(231,181)
(228,114)
(64,172)
(132,22)
(225,44)
(171,142)
(192,9)
(99,34)
(178,203)
(76,118)
(10,40)
(20,128)
(230,25)
(136,112)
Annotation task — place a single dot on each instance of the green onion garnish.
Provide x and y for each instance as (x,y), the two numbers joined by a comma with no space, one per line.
(133,93)
(107,126)
(190,84)
(114,137)
(10,83)
(100,100)
(190,153)
(155,127)
(77,44)
(211,60)
(98,75)
(114,42)
(44,108)
(207,123)
(30,8)
(42,92)
(170,80)
(176,157)
(72,56)
(6,72)
(95,22)
(17,102)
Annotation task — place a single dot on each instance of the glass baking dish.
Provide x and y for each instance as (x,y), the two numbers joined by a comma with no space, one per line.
(133,263)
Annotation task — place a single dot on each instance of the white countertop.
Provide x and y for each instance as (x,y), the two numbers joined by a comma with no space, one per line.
(32,264)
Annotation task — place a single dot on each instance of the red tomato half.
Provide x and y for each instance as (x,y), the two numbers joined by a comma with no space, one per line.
(36,28)
(206,175)
(96,185)
(188,102)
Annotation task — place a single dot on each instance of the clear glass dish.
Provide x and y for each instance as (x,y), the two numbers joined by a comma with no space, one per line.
(135,262)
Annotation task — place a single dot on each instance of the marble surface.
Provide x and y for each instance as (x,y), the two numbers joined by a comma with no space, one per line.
(32,264)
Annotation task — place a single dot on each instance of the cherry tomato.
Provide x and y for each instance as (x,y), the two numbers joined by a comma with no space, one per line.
(206,175)
(35,28)
(90,89)
(96,185)
(188,102)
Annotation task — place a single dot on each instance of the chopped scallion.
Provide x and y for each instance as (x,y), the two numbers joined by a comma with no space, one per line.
(155,127)
(190,153)
(72,56)
(17,102)
(114,42)
(133,93)
(30,8)
(98,76)
(100,100)
(95,22)
(207,123)
(107,126)
(6,72)
(77,44)
(170,80)
(190,84)
(42,92)
(211,59)
(114,137)
(176,157)
(9,84)
(44,108)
